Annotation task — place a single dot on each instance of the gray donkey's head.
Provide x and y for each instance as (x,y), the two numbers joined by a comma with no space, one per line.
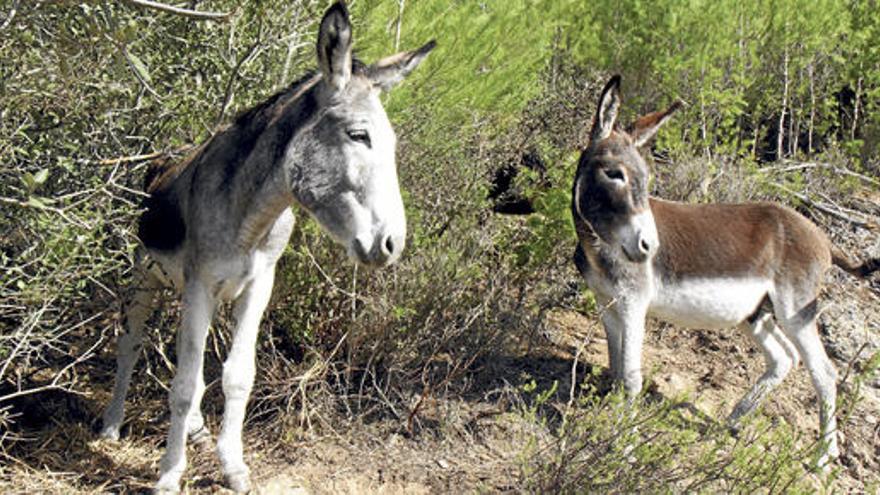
(342,167)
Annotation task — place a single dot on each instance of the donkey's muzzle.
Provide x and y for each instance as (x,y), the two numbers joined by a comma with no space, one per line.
(385,250)
(639,239)
(644,248)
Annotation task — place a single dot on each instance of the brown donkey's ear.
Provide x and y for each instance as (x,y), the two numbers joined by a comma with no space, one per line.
(647,126)
(334,46)
(389,71)
(606,113)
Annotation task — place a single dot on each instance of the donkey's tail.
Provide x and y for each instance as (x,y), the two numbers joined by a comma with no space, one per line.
(863,270)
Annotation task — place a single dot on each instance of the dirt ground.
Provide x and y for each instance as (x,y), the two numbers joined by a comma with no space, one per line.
(473,444)
(469,443)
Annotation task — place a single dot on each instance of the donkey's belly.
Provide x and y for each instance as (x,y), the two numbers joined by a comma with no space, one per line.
(708,303)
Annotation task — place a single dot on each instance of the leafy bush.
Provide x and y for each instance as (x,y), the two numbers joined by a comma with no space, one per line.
(609,444)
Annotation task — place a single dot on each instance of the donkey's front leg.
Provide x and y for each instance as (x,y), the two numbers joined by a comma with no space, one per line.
(187,387)
(614,337)
(625,329)
(238,378)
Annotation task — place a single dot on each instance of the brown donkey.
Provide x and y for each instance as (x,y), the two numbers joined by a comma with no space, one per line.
(751,265)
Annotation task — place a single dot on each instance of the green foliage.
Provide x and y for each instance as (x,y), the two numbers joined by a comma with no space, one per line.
(731,61)
(611,444)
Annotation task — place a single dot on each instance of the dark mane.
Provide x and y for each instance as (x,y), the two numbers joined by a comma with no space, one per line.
(161,225)
(248,123)
(252,113)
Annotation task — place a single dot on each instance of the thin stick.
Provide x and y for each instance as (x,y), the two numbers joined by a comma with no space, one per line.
(400,5)
(792,166)
(824,209)
(124,159)
(192,14)
(11,16)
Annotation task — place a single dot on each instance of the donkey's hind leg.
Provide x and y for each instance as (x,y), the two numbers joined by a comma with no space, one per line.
(128,348)
(780,357)
(799,323)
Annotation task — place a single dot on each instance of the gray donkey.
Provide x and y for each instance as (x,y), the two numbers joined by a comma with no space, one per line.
(216,224)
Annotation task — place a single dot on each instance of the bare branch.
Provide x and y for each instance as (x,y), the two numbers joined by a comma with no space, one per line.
(825,208)
(11,15)
(249,55)
(791,166)
(192,14)
(125,159)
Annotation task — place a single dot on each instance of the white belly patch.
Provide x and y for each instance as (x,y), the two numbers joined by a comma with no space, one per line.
(708,303)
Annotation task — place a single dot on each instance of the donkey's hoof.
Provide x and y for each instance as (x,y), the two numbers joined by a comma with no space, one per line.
(200,437)
(239,482)
(825,462)
(164,490)
(110,433)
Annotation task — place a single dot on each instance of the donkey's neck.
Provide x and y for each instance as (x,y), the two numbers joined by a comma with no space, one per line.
(262,192)
(262,211)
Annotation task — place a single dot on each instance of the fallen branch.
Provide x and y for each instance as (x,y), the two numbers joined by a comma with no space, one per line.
(192,14)
(11,15)
(792,166)
(825,209)
(124,159)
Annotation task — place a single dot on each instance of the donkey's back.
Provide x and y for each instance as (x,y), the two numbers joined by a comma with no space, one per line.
(737,240)
(716,263)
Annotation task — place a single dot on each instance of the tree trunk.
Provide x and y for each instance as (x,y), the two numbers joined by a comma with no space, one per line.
(781,130)
(400,5)
(812,74)
(855,120)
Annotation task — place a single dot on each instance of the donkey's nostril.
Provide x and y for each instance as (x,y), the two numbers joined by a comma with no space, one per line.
(388,246)
(644,246)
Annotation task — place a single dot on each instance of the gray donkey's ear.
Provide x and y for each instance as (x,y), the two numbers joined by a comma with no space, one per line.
(389,71)
(606,113)
(334,46)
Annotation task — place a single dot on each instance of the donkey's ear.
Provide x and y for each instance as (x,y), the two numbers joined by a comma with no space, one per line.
(606,113)
(389,71)
(334,46)
(647,126)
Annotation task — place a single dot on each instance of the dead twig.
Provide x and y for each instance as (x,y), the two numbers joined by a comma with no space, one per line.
(250,54)
(791,166)
(850,365)
(825,208)
(11,15)
(192,14)
(125,159)
(56,384)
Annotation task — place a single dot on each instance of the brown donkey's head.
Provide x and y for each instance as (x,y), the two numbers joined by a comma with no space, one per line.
(610,191)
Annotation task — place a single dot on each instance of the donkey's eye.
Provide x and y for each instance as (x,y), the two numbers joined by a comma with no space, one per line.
(615,174)
(360,136)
